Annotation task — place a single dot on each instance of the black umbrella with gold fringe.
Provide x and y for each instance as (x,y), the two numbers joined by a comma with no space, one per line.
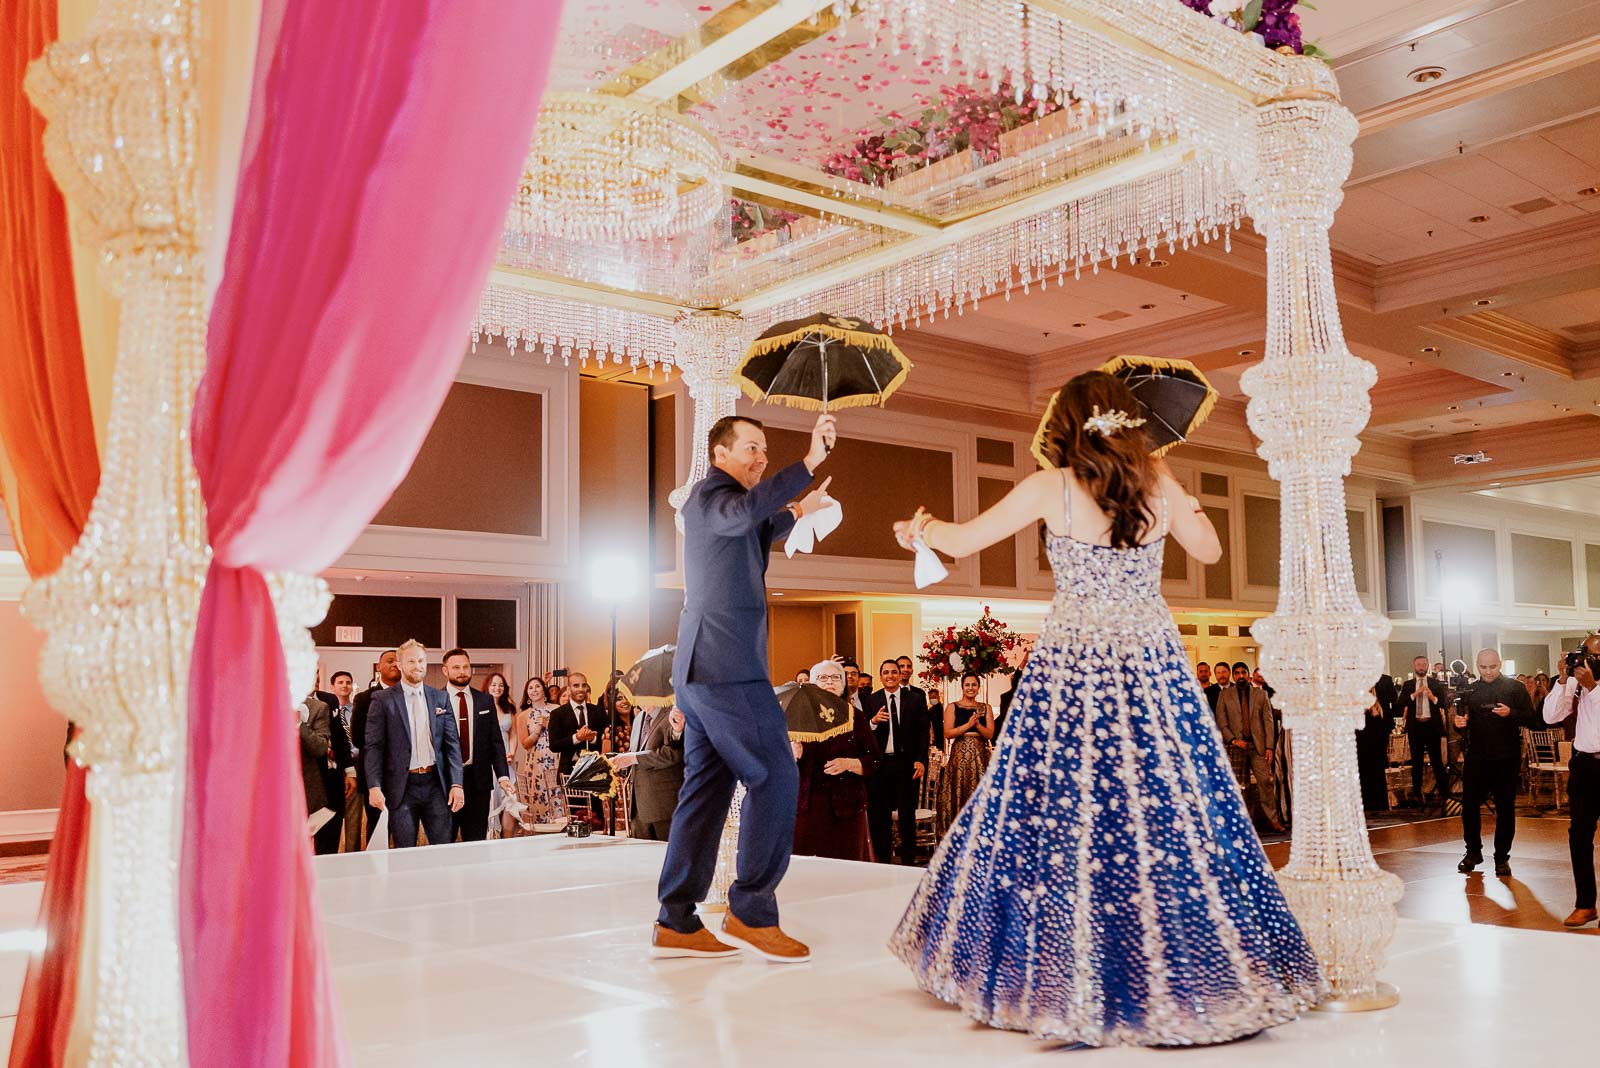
(823,362)
(650,677)
(813,714)
(1174,399)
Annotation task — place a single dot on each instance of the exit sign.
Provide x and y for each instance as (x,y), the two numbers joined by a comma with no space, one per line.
(343,635)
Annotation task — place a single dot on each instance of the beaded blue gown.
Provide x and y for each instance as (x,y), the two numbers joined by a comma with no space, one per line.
(1104,885)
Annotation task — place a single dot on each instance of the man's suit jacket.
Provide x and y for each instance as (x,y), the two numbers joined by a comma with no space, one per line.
(314,754)
(387,753)
(1231,717)
(488,744)
(1437,709)
(728,532)
(359,705)
(564,725)
(912,739)
(1213,695)
(658,774)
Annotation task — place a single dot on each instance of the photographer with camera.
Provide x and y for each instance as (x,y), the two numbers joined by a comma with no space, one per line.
(1575,696)
(1492,711)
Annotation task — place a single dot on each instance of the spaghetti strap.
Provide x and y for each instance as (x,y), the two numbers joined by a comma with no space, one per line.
(1165,525)
(1066,503)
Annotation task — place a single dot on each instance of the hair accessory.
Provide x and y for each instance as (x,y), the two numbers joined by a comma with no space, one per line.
(1107,423)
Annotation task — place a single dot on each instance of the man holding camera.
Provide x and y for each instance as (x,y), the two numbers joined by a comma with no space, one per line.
(1492,711)
(1575,690)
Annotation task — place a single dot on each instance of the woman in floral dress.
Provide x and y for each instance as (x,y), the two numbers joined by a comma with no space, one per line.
(537,779)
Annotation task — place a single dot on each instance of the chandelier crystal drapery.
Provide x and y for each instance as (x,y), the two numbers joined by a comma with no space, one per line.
(607,168)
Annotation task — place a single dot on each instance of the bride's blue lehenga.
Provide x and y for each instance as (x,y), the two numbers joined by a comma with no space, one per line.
(1104,885)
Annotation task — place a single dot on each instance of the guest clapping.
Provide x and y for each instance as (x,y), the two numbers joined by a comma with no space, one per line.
(969,728)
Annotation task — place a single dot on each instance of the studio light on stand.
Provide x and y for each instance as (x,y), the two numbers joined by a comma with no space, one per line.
(1461,592)
(614,579)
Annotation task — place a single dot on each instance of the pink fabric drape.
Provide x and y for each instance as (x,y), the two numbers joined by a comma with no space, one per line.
(383,148)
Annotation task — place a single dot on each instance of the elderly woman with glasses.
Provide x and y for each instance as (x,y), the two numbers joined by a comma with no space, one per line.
(831,820)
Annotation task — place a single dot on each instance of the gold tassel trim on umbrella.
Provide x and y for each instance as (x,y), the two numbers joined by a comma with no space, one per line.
(821,736)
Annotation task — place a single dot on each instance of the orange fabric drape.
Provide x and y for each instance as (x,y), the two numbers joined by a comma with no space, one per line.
(47,433)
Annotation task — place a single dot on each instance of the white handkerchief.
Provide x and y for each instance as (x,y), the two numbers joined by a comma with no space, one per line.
(318,820)
(928,568)
(812,528)
(379,838)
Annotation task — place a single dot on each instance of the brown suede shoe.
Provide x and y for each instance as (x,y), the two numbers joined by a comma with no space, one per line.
(1580,917)
(665,942)
(769,942)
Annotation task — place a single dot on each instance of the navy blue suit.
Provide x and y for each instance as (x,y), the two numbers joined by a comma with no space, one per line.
(410,798)
(734,728)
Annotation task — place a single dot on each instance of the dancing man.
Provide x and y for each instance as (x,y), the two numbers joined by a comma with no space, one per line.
(734,728)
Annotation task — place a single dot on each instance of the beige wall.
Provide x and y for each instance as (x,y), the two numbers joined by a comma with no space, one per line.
(797,637)
(613,519)
(32,729)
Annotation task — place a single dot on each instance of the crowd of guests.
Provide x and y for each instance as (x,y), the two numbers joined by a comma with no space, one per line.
(1252,729)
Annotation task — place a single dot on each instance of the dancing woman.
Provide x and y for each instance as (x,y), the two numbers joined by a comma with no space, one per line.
(1104,885)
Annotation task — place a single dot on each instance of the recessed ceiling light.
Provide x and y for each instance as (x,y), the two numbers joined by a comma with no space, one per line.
(1482,302)
(1430,349)
(1147,307)
(1425,75)
(361,578)
(1508,374)
(1479,219)
(1453,408)
(1247,352)
(1079,326)
(1590,191)
(1156,263)
(777,593)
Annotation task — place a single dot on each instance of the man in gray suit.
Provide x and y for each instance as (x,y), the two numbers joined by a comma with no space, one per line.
(656,755)
(1250,732)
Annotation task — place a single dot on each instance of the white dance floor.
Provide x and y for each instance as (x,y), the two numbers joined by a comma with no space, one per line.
(533,952)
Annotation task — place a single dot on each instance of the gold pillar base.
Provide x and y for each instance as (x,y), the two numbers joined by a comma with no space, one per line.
(1385,996)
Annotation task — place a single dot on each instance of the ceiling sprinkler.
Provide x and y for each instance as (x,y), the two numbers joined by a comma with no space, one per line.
(1479,457)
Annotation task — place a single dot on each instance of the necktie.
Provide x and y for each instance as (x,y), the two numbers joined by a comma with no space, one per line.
(463,721)
(894,718)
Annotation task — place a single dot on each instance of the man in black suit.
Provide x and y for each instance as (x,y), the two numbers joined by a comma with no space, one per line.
(335,765)
(483,748)
(1372,745)
(577,727)
(388,675)
(935,722)
(413,754)
(899,719)
(1220,673)
(1423,700)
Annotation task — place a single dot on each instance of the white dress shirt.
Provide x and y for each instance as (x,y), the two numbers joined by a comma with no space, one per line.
(421,727)
(1558,706)
(1424,696)
(891,704)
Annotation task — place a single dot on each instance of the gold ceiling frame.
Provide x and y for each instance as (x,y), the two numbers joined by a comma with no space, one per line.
(1156,160)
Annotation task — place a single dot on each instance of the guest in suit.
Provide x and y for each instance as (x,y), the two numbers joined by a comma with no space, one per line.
(1202,674)
(852,682)
(899,718)
(1220,673)
(577,726)
(483,750)
(831,816)
(338,773)
(734,730)
(1372,745)
(388,675)
(1424,701)
(908,682)
(655,753)
(313,724)
(413,754)
(1250,731)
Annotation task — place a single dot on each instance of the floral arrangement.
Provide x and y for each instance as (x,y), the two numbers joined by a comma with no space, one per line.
(965,118)
(980,648)
(752,220)
(1273,22)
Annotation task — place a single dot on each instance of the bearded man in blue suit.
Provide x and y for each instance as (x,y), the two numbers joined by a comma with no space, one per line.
(413,754)
(734,728)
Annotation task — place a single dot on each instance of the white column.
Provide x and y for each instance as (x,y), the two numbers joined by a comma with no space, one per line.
(119,615)
(1320,648)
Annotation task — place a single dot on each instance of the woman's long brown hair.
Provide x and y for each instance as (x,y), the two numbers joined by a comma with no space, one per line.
(1116,469)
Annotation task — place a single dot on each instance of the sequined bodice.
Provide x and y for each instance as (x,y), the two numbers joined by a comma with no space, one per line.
(1108,590)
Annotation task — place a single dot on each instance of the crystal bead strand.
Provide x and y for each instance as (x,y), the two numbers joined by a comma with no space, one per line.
(708,348)
(118,617)
(1320,647)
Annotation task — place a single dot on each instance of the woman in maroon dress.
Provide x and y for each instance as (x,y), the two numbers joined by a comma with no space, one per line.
(832,817)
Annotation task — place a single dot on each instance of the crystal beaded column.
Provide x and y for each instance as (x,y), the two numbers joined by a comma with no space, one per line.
(708,348)
(1308,402)
(727,857)
(118,617)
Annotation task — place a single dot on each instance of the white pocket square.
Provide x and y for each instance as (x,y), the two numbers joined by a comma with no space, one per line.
(812,528)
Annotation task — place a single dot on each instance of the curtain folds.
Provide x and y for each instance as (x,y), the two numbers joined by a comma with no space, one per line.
(380,156)
(52,469)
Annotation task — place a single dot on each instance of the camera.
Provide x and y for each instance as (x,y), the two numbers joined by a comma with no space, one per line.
(1581,655)
(578,829)
(1459,676)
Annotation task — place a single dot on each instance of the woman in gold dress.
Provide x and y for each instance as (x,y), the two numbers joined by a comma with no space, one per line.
(968,730)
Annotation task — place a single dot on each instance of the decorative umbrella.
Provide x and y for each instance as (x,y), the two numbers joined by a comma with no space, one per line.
(823,362)
(1174,399)
(650,677)
(593,774)
(814,714)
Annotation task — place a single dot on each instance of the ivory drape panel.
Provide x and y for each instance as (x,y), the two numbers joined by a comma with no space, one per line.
(380,157)
(52,469)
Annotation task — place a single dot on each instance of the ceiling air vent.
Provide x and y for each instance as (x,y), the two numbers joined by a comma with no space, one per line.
(1528,207)
(1112,316)
(1469,458)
